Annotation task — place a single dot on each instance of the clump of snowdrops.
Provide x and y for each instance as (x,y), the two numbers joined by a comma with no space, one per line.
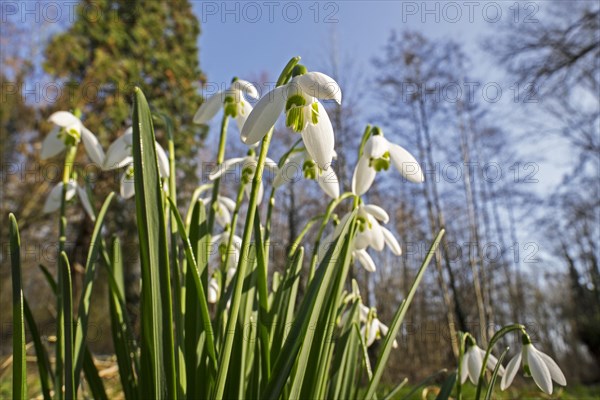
(214,322)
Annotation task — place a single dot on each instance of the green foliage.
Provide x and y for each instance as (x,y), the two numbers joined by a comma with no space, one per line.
(116,45)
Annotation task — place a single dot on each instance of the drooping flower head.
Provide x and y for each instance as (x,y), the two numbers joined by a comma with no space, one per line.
(246,174)
(378,155)
(472,362)
(119,155)
(232,101)
(300,160)
(536,364)
(69,131)
(53,201)
(304,114)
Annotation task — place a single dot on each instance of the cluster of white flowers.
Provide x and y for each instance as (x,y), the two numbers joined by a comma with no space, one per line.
(69,131)
(541,367)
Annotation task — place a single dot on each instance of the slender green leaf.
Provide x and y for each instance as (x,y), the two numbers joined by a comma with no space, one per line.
(157,378)
(67,303)
(490,389)
(19,361)
(86,293)
(300,335)
(43,362)
(120,329)
(206,323)
(398,318)
(446,389)
(396,389)
(91,376)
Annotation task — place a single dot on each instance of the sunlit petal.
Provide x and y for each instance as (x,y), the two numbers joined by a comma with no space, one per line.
(539,371)
(391,241)
(127,185)
(163,161)
(246,87)
(64,119)
(319,139)
(406,164)
(85,202)
(264,115)
(555,371)
(328,181)
(209,108)
(93,148)
(52,144)
(363,177)
(319,85)
(118,154)
(511,371)
(365,260)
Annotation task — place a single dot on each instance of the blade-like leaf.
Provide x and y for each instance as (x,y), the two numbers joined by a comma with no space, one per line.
(157,378)
(300,335)
(43,362)
(86,293)
(398,318)
(446,388)
(120,330)
(19,362)
(91,376)
(490,389)
(67,303)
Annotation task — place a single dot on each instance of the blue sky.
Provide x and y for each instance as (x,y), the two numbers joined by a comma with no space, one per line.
(241,38)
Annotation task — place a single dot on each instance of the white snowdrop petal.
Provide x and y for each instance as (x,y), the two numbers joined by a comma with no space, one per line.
(377,241)
(54,198)
(365,260)
(264,115)
(245,87)
(539,370)
(464,369)
(52,144)
(93,148)
(163,161)
(474,364)
(209,108)
(118,154)
(405,163)
(242,115)
(227,203)
(555,371)
(85,202)
(391,241)
(319,85)
(363,177)
(227,166)
(376,146)
(64,119)
(319,139)
(213,291)
(127,186)
(377,212)
(328,181)
(511,371)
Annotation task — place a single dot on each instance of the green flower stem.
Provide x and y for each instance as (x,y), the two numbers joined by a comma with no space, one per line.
(330,208)
(363,141)
(245,251)
(497,336)
(216,183)
(62,229)
(233,225)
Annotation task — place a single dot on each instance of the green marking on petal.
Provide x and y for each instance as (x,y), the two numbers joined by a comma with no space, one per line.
(382,163)
(310,169)
(314,113)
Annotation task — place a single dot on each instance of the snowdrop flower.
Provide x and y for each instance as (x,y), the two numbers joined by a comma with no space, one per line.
(220,242)
(304,114)
(472,363)
(328,180)
(69,131)
(377,155)
(233,102)
(373,328)
(540,366)
(223,209)
(370,233)
(213,290)
(119,155)
(54,198)
(248,168)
